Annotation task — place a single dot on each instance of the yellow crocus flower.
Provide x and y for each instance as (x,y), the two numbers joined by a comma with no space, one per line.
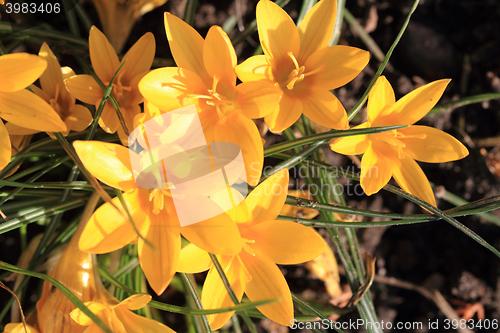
(206,77)
(154,215)
(253,270)
(300,62)
(105,63)
(20,106)
(76,117)
(393,153)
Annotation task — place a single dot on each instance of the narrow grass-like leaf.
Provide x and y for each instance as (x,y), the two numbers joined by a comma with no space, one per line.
(306,7)
(462,102)
(107,95)
(196,298)
(306,306)
(381,68)
(179,309)
(324,137)
(189,11)
(39,213)
(62,288)
(459,202)
(68,6)
(82,14)
(131,220)
(230,291)
(364,36)
(24,30)
(338,23)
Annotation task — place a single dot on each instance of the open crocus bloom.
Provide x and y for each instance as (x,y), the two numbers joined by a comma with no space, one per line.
(20,106)
(154,216)
(393,153)
(54,92)
(253,270)
(118,315)
(105,63)
(205,77)
(300,62)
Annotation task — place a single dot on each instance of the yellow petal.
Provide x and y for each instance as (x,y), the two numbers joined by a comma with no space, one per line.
(135,323)
(243,132)
(79,119)
(258,99)
(26,109)
(186,45)
(351,145)
(436,147)
(108,230)
(139,58)
(380,99)
(316,29)
(218,235)
(219,56)
(19,70)
(289,111)
(277,32)
(129,113)
(414,105)
(214,295)
(412,179)
(340,64)
(264,203)
(52,75)
(109,121)
(84,88)
(104,59)
(287,243)
(324,108)
(5,147)
(81,318)
(326,269)
(108,162)
(159,260)
(193,260)
(19,328)
(268,283)
(136,302)
(41,93)
(377,166)
(171,88)
(255,68)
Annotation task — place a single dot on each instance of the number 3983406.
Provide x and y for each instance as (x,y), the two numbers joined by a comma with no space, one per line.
(33,8)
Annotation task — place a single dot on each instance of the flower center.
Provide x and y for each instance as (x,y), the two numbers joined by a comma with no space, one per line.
(393,137)
(54,103)
(298,74)
(157,198)
(118,89)
(247,247)
(223,105)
